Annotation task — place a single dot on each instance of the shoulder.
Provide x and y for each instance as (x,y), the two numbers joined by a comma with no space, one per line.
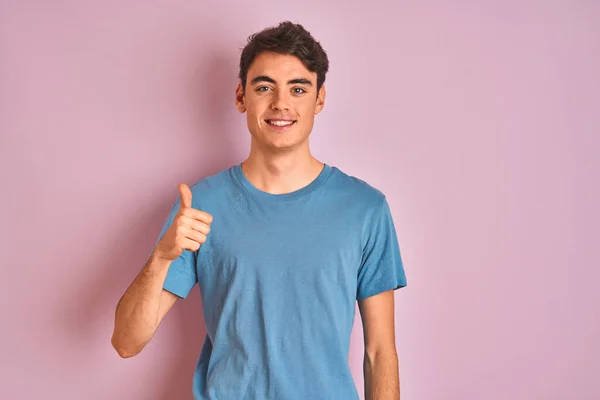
(365,194)
(211,187)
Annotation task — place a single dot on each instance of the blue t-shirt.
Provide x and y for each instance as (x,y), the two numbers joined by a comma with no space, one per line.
(279,276)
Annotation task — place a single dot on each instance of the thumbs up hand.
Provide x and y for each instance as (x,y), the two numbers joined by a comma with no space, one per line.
(188,229)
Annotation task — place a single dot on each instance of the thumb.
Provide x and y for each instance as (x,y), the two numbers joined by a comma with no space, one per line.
(186,196)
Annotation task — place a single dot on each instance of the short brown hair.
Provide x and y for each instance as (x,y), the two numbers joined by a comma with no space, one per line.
(286,38)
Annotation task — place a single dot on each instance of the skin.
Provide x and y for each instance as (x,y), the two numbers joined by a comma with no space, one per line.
(277,87)
(380,362)
(280,87)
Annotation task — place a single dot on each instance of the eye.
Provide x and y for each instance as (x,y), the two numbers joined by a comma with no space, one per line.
(302,90)
(258,89)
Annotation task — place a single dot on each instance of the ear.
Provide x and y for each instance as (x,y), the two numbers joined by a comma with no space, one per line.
(240,98)
(320,100)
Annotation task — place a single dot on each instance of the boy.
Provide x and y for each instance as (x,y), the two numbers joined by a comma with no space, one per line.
(281,245)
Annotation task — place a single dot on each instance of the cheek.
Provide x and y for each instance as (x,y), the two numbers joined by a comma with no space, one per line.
(251,114)
(306,116)
(307,110)
(255,110)
(254,121)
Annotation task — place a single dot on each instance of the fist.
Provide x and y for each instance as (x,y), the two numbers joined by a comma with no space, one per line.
(187,231)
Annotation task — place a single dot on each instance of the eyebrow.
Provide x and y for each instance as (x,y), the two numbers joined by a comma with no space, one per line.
(264,78)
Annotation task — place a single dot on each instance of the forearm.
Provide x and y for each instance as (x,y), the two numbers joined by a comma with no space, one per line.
(382,381)
(136,316)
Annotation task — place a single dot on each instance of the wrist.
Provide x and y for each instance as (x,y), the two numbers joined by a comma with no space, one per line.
(158,262)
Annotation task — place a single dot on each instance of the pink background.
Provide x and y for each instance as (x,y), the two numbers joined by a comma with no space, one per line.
(480,122)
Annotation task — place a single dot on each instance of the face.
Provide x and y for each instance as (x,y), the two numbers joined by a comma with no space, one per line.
(280,100)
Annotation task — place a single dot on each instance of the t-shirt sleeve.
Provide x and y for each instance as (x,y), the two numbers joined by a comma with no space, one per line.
(181,276)
(381,268)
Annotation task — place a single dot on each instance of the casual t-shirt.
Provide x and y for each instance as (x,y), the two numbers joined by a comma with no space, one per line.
(279,276)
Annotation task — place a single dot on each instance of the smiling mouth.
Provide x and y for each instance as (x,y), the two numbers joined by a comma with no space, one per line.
(280,124)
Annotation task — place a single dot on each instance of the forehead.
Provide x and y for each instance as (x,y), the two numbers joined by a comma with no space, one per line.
(282,66)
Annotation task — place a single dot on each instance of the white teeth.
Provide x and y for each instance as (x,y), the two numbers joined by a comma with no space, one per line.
(281,123)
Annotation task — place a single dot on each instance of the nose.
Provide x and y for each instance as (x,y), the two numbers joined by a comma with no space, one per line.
(280,100)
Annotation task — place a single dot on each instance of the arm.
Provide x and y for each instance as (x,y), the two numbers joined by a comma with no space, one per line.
(145,303)
(380,365)
(142,308)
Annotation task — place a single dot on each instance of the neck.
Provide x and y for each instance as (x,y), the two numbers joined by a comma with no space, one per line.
(281,173)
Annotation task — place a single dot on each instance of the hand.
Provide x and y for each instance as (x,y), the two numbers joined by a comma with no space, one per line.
(188,229)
